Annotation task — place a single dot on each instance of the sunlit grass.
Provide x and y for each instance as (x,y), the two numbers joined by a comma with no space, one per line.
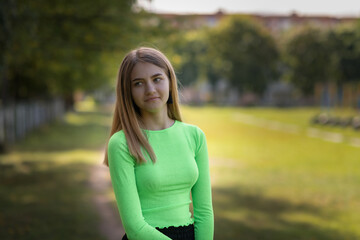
(269,184)
(302,117)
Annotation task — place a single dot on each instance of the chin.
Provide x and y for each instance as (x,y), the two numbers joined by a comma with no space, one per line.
(154,110)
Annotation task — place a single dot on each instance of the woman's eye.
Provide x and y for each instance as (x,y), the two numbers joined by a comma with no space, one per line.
(137,84)
(157,79)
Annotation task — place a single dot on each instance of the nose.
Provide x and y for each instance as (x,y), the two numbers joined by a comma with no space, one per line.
(150,88)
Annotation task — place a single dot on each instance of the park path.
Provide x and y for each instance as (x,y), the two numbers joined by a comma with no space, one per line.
(110,225)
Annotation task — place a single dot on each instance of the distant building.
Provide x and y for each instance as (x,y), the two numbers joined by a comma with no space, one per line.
(193,21)
(278,23)
(274,23)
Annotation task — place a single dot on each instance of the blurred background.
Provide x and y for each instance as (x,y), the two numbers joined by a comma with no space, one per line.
(274,85)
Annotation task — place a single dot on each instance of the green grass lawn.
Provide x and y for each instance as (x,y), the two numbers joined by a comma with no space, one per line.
(301,117)
(269,184)
(44,180)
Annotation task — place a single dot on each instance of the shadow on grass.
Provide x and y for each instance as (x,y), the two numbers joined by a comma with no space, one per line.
(41,200)
(48,198)
(85,130)
(250,216)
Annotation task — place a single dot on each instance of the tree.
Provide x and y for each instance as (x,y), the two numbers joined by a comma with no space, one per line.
(193,52)
(56,47)
(345,49)
(244,53)
(308,56)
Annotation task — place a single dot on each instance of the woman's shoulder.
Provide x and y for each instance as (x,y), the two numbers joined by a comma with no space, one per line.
(192,128)
(118,138)
(118,135)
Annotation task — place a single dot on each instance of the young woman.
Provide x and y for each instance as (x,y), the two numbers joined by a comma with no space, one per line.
(155,159)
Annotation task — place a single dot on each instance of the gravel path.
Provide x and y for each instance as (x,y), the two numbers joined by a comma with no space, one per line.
(110,224)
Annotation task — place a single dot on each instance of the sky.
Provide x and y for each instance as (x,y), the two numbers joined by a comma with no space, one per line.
(305,7)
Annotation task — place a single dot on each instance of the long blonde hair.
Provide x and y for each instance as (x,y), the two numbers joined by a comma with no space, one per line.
(126,113)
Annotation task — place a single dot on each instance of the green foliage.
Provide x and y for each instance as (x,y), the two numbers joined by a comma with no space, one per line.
(193,52)
(244,53)
(56,47)
(157,32)
(308,56)
(185,48)
(315,55)
(345,48)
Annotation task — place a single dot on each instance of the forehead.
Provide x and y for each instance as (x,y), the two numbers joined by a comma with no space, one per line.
(145,70)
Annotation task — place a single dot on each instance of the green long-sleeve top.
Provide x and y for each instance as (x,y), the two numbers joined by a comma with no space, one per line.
(157,194)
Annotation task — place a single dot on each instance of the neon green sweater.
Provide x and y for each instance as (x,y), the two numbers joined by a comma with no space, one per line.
(158,194)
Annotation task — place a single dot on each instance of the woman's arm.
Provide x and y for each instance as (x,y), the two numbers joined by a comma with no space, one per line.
(201,193)
(122,173)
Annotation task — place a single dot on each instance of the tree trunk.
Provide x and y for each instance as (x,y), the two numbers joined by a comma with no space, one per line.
(69,102)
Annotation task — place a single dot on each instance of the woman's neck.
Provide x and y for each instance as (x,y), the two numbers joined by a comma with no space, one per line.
(156,121)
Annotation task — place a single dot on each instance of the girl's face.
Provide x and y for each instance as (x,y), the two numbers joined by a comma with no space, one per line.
(149,88)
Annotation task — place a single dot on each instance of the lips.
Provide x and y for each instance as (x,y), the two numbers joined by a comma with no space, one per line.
(151,99)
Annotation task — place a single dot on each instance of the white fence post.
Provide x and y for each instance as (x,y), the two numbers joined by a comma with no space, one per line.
(2,126)
(17,120)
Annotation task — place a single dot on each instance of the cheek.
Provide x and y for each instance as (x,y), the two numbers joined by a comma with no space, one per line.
(136,94)
(164,89)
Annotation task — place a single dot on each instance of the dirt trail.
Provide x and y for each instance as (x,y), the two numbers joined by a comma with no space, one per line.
(110,224)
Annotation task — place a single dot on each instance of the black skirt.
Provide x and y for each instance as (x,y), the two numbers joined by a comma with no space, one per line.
(176,233)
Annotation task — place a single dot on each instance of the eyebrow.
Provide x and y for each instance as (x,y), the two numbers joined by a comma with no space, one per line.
(155,75)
